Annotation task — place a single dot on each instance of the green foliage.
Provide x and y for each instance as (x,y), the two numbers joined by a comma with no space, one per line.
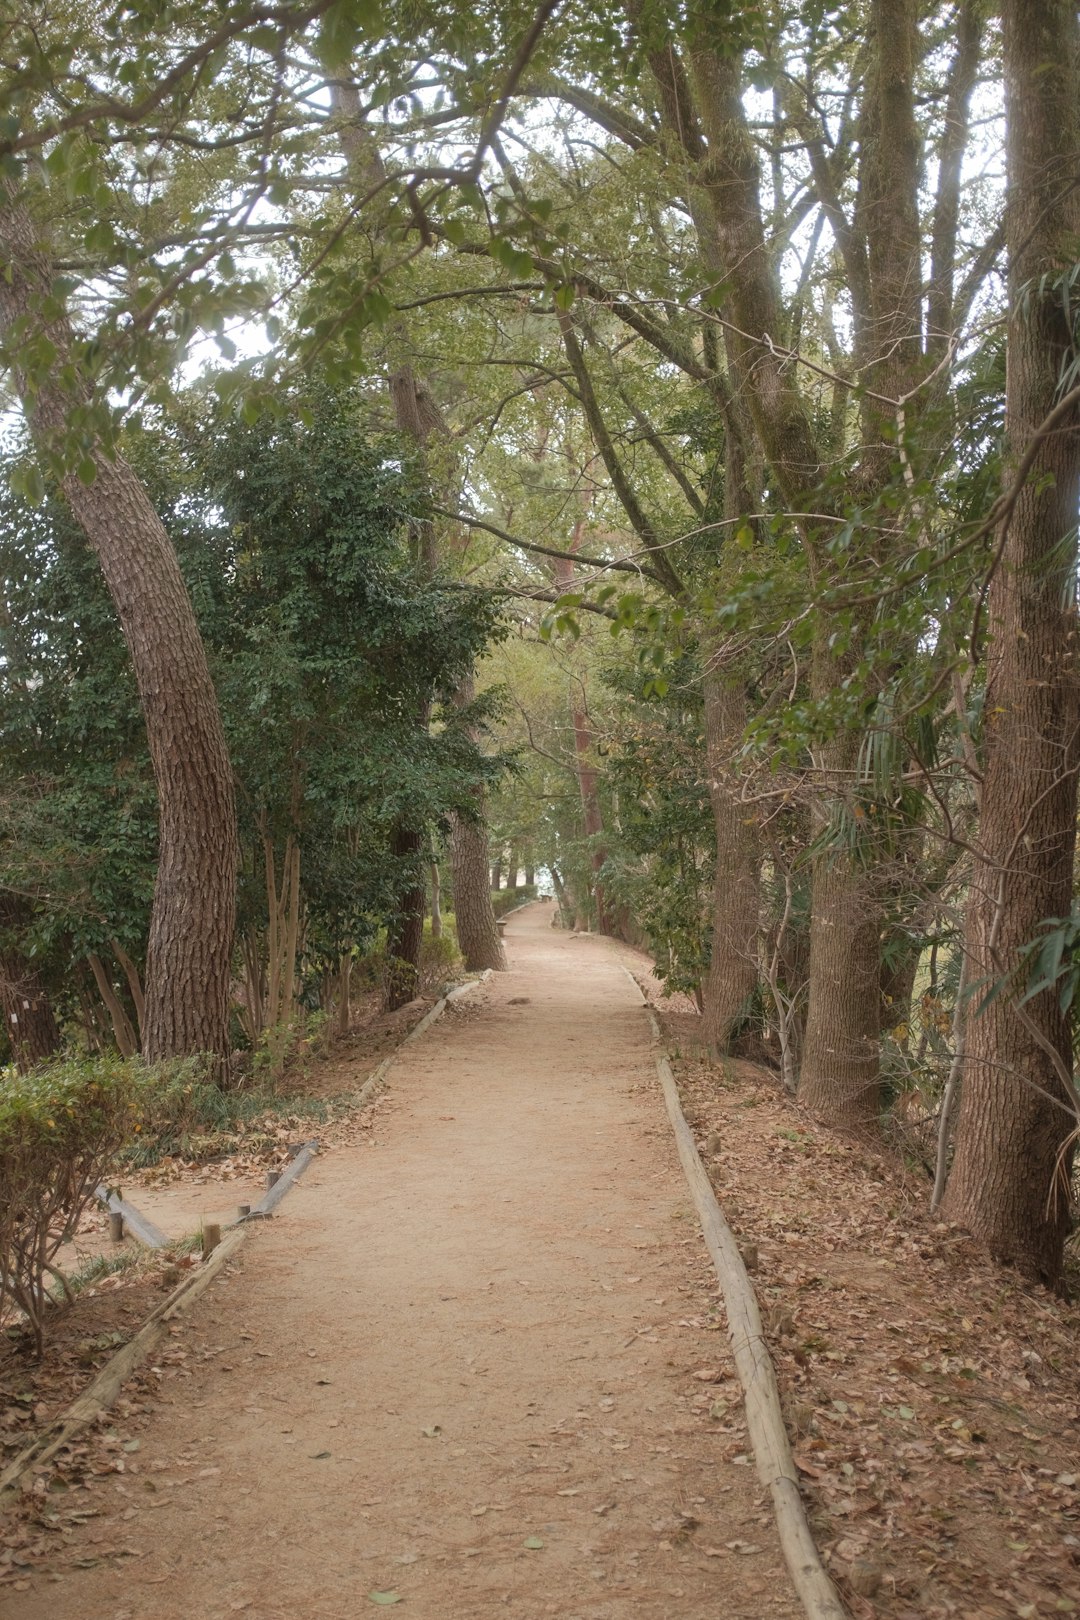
(60,1127)
(184,1113)
(660,846)
(78,833)
(504,900)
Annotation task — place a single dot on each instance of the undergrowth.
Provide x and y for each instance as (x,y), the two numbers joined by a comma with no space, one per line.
(187,1116)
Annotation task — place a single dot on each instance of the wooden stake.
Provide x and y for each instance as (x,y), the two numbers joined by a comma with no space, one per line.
(272,1178)
(211,1237)
(242,1210)
(116,1226)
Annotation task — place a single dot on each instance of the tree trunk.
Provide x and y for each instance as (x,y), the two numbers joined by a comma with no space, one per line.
(592,815)
(496,875)
(344,999)
(567,914)
(405,935)
(477,930)
(189,954)
(123,1033)
(1014,1148)
(131,973)
(733,974)
(839,1076)
(436,894)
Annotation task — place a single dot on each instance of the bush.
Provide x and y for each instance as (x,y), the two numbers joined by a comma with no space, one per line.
(60,1127)
(504,900)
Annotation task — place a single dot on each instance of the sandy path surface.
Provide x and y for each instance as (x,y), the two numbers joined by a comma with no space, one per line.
(481,1333)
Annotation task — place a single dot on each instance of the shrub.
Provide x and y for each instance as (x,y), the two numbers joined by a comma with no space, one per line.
(504,900)
(60,1127)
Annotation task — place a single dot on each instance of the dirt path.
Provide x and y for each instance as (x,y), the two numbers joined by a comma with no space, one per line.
(463,1366)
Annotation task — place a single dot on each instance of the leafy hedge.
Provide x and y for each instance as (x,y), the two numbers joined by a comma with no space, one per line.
(60,1127)
(504,900)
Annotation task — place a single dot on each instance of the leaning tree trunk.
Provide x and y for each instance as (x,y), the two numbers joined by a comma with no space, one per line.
(733,973)
(189,954)
(1016,1131)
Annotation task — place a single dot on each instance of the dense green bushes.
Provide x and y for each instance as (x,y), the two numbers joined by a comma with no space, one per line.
(60,1127)
(504,900)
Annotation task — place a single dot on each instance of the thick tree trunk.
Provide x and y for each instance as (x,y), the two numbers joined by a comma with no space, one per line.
(733,973)
(189,954)
(1009,1183)
(839,1078)
(477,930)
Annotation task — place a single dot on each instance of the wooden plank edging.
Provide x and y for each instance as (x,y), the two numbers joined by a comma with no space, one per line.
(377,1076)
(276,1193)
(753,1363)
(103,1391)
(138,1224)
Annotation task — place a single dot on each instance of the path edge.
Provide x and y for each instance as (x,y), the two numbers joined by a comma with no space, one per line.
(378,1076)
(753,1362)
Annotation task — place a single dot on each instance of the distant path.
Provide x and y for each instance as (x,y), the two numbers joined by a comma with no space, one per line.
(481,1331)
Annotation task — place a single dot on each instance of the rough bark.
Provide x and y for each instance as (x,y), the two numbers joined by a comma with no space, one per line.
(839,1077)
(477,930)
(1014,1145)
(189,954)
(733,971)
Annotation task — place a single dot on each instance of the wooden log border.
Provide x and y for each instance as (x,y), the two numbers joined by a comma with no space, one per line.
(753,1363)
(139,1225)
(103,1391)
(378,1076)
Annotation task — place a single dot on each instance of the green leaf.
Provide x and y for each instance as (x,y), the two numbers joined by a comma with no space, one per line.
(87,471)
(385,1598)
(534,1543)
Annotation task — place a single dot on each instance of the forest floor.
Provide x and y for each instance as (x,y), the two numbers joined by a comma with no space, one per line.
(474,1365)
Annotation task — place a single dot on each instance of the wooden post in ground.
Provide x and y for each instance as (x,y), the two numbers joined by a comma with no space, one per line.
(211,1237)
(116,1226)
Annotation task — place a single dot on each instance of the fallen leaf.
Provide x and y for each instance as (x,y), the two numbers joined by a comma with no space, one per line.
(534,1543)
(385,1598)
